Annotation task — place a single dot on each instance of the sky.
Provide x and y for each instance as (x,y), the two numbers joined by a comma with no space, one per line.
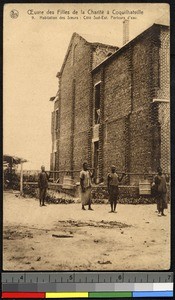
(34,46)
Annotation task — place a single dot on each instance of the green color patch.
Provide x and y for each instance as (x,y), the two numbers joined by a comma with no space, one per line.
(110,295)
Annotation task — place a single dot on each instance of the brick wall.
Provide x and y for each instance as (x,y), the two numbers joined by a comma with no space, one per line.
(140,143)
(127,106)
(130,84)
(117,105)
(164,93)
(66,115)
(164,119)
(83,89)
(101,52)
(130,130)
(75,91)
(75,105)
(145,56)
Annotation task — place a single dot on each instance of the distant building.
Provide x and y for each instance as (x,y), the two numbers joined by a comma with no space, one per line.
(112,106)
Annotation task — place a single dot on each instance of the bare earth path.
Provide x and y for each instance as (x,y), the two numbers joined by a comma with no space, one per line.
(133,238)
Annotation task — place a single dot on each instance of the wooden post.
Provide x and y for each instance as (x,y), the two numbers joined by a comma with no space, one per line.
(21,179)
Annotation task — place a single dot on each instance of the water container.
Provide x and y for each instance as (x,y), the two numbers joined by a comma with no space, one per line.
(68,183)
(144,187)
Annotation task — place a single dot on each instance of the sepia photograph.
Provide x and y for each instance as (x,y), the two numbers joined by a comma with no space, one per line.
(86,137)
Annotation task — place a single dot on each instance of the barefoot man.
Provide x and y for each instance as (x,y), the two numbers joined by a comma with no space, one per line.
(43,185)
(161,188)
(113,182)
(86,184)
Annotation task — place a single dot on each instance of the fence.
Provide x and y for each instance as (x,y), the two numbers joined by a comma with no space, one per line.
(32,175)
(144,179)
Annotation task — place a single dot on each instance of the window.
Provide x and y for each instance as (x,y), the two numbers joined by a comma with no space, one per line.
(56,120)
(97,103)
(96,161)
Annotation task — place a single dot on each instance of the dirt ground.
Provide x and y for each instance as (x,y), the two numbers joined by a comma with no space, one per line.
(63,237)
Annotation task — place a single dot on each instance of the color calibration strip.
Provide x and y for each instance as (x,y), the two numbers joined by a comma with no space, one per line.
(42,285)
(19,295)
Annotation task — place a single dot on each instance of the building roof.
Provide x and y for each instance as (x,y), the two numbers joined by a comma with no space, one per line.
(90,43)
(11,158)
(127,45)
(97,40)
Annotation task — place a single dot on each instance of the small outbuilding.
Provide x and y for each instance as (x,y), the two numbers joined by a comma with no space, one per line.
(10,162)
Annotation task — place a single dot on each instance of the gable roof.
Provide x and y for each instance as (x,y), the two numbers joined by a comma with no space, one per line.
(90,43)
(96,40)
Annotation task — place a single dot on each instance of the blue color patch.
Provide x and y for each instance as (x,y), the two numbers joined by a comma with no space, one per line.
(153,294)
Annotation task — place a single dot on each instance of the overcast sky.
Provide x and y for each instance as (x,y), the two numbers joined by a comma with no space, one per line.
(34,50)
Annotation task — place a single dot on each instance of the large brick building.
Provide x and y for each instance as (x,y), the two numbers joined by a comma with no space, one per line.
(112,106)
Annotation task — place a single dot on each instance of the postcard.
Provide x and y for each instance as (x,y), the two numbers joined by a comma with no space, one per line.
(86,107)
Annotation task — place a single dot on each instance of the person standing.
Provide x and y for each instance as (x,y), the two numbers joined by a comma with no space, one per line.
(42,185)
(85,186)
(161,192)
(113,181)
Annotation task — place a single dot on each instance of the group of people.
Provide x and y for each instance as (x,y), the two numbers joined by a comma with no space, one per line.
(113,180)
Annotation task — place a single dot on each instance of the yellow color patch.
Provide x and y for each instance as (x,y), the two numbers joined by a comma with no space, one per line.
(67,295)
